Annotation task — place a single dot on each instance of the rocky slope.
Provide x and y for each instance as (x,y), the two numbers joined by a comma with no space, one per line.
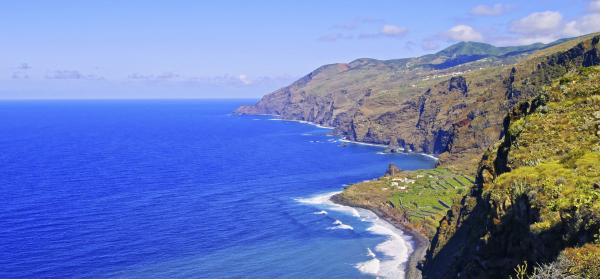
(536,205)
(450,103)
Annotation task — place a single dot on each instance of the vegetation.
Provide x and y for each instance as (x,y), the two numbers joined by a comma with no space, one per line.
(559,172)
(535,212)
(475,48)
(422,196)
(572,263)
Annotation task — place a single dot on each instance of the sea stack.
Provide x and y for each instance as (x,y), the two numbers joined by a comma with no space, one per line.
(393,146)
(392,170)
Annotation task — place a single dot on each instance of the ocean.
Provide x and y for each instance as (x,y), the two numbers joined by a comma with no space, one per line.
(184,189)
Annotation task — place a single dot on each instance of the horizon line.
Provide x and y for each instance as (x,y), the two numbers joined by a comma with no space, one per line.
(124,99)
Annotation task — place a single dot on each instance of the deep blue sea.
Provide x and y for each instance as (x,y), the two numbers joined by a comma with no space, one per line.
(183,189)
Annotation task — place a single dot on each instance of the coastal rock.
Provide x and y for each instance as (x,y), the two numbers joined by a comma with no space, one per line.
(392,170)
(394,146)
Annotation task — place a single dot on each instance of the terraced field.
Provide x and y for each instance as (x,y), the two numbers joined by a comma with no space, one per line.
(423,196)
(431,195)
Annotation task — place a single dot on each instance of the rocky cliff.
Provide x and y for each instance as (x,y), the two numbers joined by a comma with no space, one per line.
(536,206)
(451,103)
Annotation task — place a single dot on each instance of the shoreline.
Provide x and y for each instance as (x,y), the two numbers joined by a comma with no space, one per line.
(420,242)
(341,139)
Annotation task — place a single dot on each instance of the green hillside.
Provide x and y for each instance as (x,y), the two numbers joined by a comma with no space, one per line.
(536,208)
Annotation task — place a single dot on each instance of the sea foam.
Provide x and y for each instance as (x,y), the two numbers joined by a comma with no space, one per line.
(303,122)
(324,200)
(395,250)
(430,156)
(370,267)
(340,226)
(363,143)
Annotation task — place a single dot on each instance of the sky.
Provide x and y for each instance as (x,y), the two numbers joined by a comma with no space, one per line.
(244,49)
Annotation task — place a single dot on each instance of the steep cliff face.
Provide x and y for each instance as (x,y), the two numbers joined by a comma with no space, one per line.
(451,103)
(538,189)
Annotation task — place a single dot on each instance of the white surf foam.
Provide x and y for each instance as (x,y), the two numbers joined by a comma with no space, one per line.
(395,250)
(430,156)
(383,146)
(340,226)
(370,253)
(303,122)
(324,200)
(363,143)
(370,267)
(344,139)
(322,212)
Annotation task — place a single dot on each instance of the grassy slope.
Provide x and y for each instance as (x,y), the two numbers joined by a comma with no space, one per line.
(544,191)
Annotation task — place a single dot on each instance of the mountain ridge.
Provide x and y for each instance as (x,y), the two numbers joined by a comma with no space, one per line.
(404,101)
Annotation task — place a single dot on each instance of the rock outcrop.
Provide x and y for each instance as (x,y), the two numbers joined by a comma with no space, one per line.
(392,170)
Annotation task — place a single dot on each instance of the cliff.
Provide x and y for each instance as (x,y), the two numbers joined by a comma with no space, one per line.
(535,208)
(450,103)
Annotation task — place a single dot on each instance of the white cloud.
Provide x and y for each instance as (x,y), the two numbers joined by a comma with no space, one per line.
(393,30)
(539,23)
(463,33)
(490,10)
(245,79)
(549,26)
(226,80)
(70,74)
(594,6)
(160,77)
(587,24)
(363,28)
(388,30)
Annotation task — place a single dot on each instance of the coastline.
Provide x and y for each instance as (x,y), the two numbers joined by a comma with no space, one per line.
(420,242)
(401,249)
(341,139)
